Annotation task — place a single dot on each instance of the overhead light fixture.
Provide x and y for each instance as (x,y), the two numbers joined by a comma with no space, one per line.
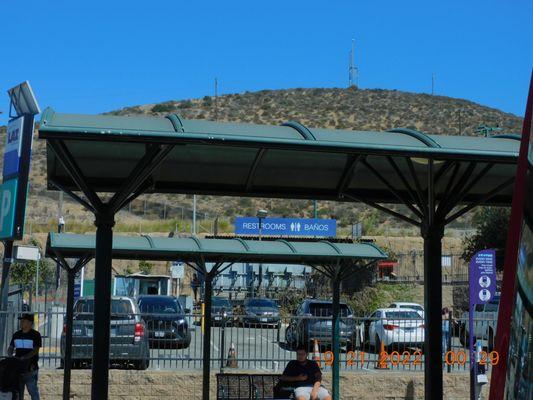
(262,213)
(425,161)
(23,99)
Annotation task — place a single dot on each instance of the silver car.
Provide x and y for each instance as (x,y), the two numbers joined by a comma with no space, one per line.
(313,322)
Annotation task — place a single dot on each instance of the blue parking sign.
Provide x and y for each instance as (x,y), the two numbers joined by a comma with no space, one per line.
(8,201)
(13,147)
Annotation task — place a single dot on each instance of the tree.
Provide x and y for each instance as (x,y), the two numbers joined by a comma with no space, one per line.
(23,274)
(491,233)
(145,267)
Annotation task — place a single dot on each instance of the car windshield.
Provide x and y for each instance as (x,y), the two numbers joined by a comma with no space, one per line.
(261,303)
(326,310)
(161,305)
(402,315)
(119,307)
(220,302)
(413,307)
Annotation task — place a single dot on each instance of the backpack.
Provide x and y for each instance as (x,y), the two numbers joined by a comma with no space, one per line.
(11,370)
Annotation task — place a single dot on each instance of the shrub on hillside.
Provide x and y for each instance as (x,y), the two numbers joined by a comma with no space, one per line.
(207,101)
(163,107)
(185,104)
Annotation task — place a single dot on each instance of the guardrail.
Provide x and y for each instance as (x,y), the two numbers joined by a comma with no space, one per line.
(263,343)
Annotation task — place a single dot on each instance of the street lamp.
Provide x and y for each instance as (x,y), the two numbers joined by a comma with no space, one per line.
(261,214)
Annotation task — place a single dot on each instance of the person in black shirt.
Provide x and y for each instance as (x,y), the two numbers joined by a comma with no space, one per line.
(25,345)
(305,376)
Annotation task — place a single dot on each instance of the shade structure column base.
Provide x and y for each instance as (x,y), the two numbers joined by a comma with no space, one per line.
(207,336)
(104,222)
(433,234)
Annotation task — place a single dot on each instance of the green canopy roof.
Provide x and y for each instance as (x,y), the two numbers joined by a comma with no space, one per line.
(290,161)
(213,250)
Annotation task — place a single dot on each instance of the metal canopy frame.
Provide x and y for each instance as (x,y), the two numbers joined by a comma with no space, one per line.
(333,260)
(436,179)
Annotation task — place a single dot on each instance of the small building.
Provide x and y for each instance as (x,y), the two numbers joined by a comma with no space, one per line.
(138,284)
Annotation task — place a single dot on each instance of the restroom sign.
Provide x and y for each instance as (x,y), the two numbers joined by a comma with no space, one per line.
(8,202)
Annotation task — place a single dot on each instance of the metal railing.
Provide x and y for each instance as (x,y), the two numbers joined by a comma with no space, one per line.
(267,344)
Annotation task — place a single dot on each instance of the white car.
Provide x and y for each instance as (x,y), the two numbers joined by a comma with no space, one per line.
(411,306)
(393,327)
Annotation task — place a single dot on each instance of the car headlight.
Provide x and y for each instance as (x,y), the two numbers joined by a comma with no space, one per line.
(181,321)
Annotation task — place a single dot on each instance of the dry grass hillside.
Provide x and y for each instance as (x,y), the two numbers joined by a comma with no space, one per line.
(322,108)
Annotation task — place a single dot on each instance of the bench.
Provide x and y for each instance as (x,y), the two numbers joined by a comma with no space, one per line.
(251,387)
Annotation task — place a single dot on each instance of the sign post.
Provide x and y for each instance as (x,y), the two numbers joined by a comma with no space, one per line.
(14,188)
(482,285)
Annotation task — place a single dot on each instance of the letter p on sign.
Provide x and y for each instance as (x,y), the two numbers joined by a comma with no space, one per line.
(6,206)
(8,203)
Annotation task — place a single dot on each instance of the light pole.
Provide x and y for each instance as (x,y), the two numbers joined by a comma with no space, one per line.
(261,214)
(222,338)
(60,228)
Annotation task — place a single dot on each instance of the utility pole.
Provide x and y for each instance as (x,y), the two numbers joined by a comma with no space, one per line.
(216,99)
(261,215)
(194,214)
(352,69)
(60,225)
(460,122)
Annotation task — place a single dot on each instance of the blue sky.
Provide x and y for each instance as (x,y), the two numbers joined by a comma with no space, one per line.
(95,56)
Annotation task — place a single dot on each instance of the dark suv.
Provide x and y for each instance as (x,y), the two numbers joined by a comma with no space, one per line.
(128,339)
(260,312)
(313,322)
(166,322)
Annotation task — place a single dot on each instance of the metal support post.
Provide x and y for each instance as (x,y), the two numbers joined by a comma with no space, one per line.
(433,307)
(67,363)
(222,342)
(102,305)
(336,283)
(207,336)
(6,266)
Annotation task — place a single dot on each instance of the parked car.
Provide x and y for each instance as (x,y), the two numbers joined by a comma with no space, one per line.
(219,306)
(393,327)
(485,321)
(260,312)
(165,320)
(412,306)
(128,338)
(313,322)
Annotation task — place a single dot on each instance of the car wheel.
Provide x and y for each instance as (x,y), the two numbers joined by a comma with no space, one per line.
(141,365)
(290,338)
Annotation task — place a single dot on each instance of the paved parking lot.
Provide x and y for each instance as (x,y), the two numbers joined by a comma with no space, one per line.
(257,348)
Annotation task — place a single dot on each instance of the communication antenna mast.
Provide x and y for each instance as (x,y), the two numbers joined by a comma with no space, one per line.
(352,69)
